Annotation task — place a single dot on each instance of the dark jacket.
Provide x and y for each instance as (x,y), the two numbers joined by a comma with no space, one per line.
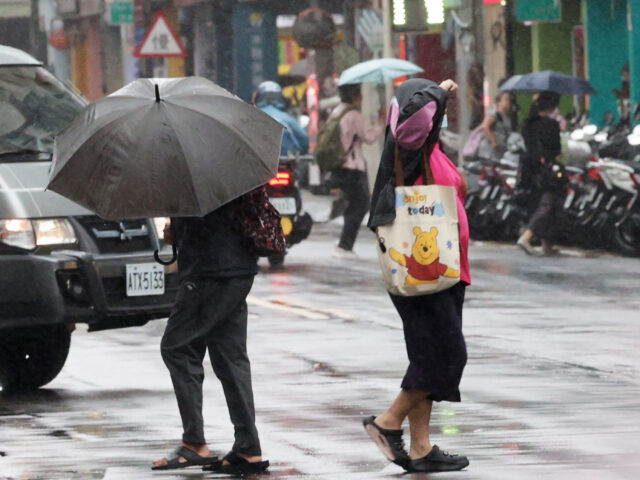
(411,96)
(209,247)
(542,139)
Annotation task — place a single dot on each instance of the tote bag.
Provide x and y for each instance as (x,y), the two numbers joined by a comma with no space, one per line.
(419,252)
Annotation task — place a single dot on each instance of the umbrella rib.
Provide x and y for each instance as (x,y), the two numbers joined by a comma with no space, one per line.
(186,161)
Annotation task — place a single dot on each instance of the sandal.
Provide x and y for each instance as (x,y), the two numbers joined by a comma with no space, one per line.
(237,465)
(191,457)
(438,461)
(388,441)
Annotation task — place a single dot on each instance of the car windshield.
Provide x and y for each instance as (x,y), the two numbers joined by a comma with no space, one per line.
(34,107)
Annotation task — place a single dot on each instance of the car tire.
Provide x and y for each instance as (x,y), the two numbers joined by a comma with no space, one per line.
(32,357)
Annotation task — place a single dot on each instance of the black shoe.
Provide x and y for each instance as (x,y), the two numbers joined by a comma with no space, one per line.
(438,461)
(388,441)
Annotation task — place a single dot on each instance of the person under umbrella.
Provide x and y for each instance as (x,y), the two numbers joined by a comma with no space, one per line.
(185,148)
(216,271)
(542,138)
(351,178)
(432,323)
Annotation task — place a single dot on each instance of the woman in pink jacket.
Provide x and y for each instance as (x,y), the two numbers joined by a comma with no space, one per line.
(432,323)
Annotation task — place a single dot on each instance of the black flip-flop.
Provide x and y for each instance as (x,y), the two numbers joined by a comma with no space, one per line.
(237,465)
(389,442)
(191,457)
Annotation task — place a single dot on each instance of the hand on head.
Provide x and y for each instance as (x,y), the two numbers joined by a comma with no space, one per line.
(449,85)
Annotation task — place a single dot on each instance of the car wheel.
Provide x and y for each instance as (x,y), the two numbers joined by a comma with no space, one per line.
(32,357)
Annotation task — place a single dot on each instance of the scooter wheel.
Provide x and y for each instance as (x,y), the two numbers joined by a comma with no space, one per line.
(276,260)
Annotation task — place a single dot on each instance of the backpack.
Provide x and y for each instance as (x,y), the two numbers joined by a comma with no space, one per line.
(259,223)
(330,153)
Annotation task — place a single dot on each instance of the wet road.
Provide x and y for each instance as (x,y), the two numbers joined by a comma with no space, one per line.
(550,391)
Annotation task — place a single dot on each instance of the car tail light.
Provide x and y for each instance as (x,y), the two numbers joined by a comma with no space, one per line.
(281,179)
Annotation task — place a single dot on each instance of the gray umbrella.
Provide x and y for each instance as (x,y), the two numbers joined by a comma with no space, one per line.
(548,81)
(165,148)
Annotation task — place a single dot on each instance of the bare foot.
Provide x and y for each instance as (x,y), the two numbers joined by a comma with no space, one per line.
(200,449)
(248,458)
(387,422)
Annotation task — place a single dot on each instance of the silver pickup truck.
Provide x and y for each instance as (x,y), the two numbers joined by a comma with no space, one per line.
(60,264)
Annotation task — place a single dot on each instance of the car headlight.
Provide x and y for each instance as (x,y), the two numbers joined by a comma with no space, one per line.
(17,233)
(29,234)
(160,223)
(54,232)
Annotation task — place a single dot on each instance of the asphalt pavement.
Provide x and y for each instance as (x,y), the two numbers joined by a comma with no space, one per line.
(550,390)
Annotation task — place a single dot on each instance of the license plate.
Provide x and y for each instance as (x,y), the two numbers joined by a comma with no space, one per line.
(145,279)
(284,205)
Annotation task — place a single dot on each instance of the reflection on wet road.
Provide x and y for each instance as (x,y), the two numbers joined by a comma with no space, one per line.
(550,391)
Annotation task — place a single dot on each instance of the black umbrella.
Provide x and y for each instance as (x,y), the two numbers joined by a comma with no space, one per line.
(165,148)
(548,81)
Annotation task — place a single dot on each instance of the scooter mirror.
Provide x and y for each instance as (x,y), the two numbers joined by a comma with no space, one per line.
(601,137)
(634,140)
(577,135)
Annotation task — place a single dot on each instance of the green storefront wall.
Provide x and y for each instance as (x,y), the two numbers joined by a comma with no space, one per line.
(607,40)
(546,46)
(634,51)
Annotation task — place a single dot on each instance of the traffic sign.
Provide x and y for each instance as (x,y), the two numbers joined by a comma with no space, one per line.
(121,12)
(160,41)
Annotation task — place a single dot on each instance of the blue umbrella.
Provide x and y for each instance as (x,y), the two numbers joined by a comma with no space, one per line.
(549,81)
(379,70)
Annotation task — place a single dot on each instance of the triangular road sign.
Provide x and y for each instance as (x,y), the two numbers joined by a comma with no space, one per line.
(160,40)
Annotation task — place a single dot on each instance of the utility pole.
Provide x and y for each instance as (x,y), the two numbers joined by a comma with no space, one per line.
(387,46)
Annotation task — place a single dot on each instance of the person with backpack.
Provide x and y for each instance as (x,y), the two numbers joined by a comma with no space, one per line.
(270,100)
(217,263)
(339,151)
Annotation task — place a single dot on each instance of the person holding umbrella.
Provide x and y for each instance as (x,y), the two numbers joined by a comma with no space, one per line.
(216,271)
(432,323)
(542,138)
(185,148)
(352,177)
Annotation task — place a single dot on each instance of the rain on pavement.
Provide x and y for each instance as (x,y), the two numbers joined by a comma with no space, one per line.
(550,390)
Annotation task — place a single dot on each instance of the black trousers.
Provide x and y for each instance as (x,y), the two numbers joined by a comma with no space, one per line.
(212,314)
(355,186)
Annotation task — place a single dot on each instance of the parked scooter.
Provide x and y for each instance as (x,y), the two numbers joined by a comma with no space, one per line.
(284,195)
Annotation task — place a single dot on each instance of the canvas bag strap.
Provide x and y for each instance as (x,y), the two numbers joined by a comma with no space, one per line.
(427,174)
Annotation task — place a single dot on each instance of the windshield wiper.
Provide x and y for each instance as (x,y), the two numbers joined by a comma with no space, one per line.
(25,151)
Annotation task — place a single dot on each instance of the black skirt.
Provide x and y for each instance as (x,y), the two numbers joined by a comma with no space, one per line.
(435,344)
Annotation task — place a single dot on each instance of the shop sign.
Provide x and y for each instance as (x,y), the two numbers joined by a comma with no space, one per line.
(67,7)
(538,10)
(371,29)
(15,8)
(121,13)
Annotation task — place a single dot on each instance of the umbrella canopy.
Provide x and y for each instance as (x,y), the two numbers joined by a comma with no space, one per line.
(166,148)
(379,70)
(548,81)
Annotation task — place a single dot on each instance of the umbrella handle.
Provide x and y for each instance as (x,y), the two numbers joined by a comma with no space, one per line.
(157,258)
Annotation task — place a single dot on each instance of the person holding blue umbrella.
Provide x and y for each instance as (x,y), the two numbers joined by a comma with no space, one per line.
(351,178)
